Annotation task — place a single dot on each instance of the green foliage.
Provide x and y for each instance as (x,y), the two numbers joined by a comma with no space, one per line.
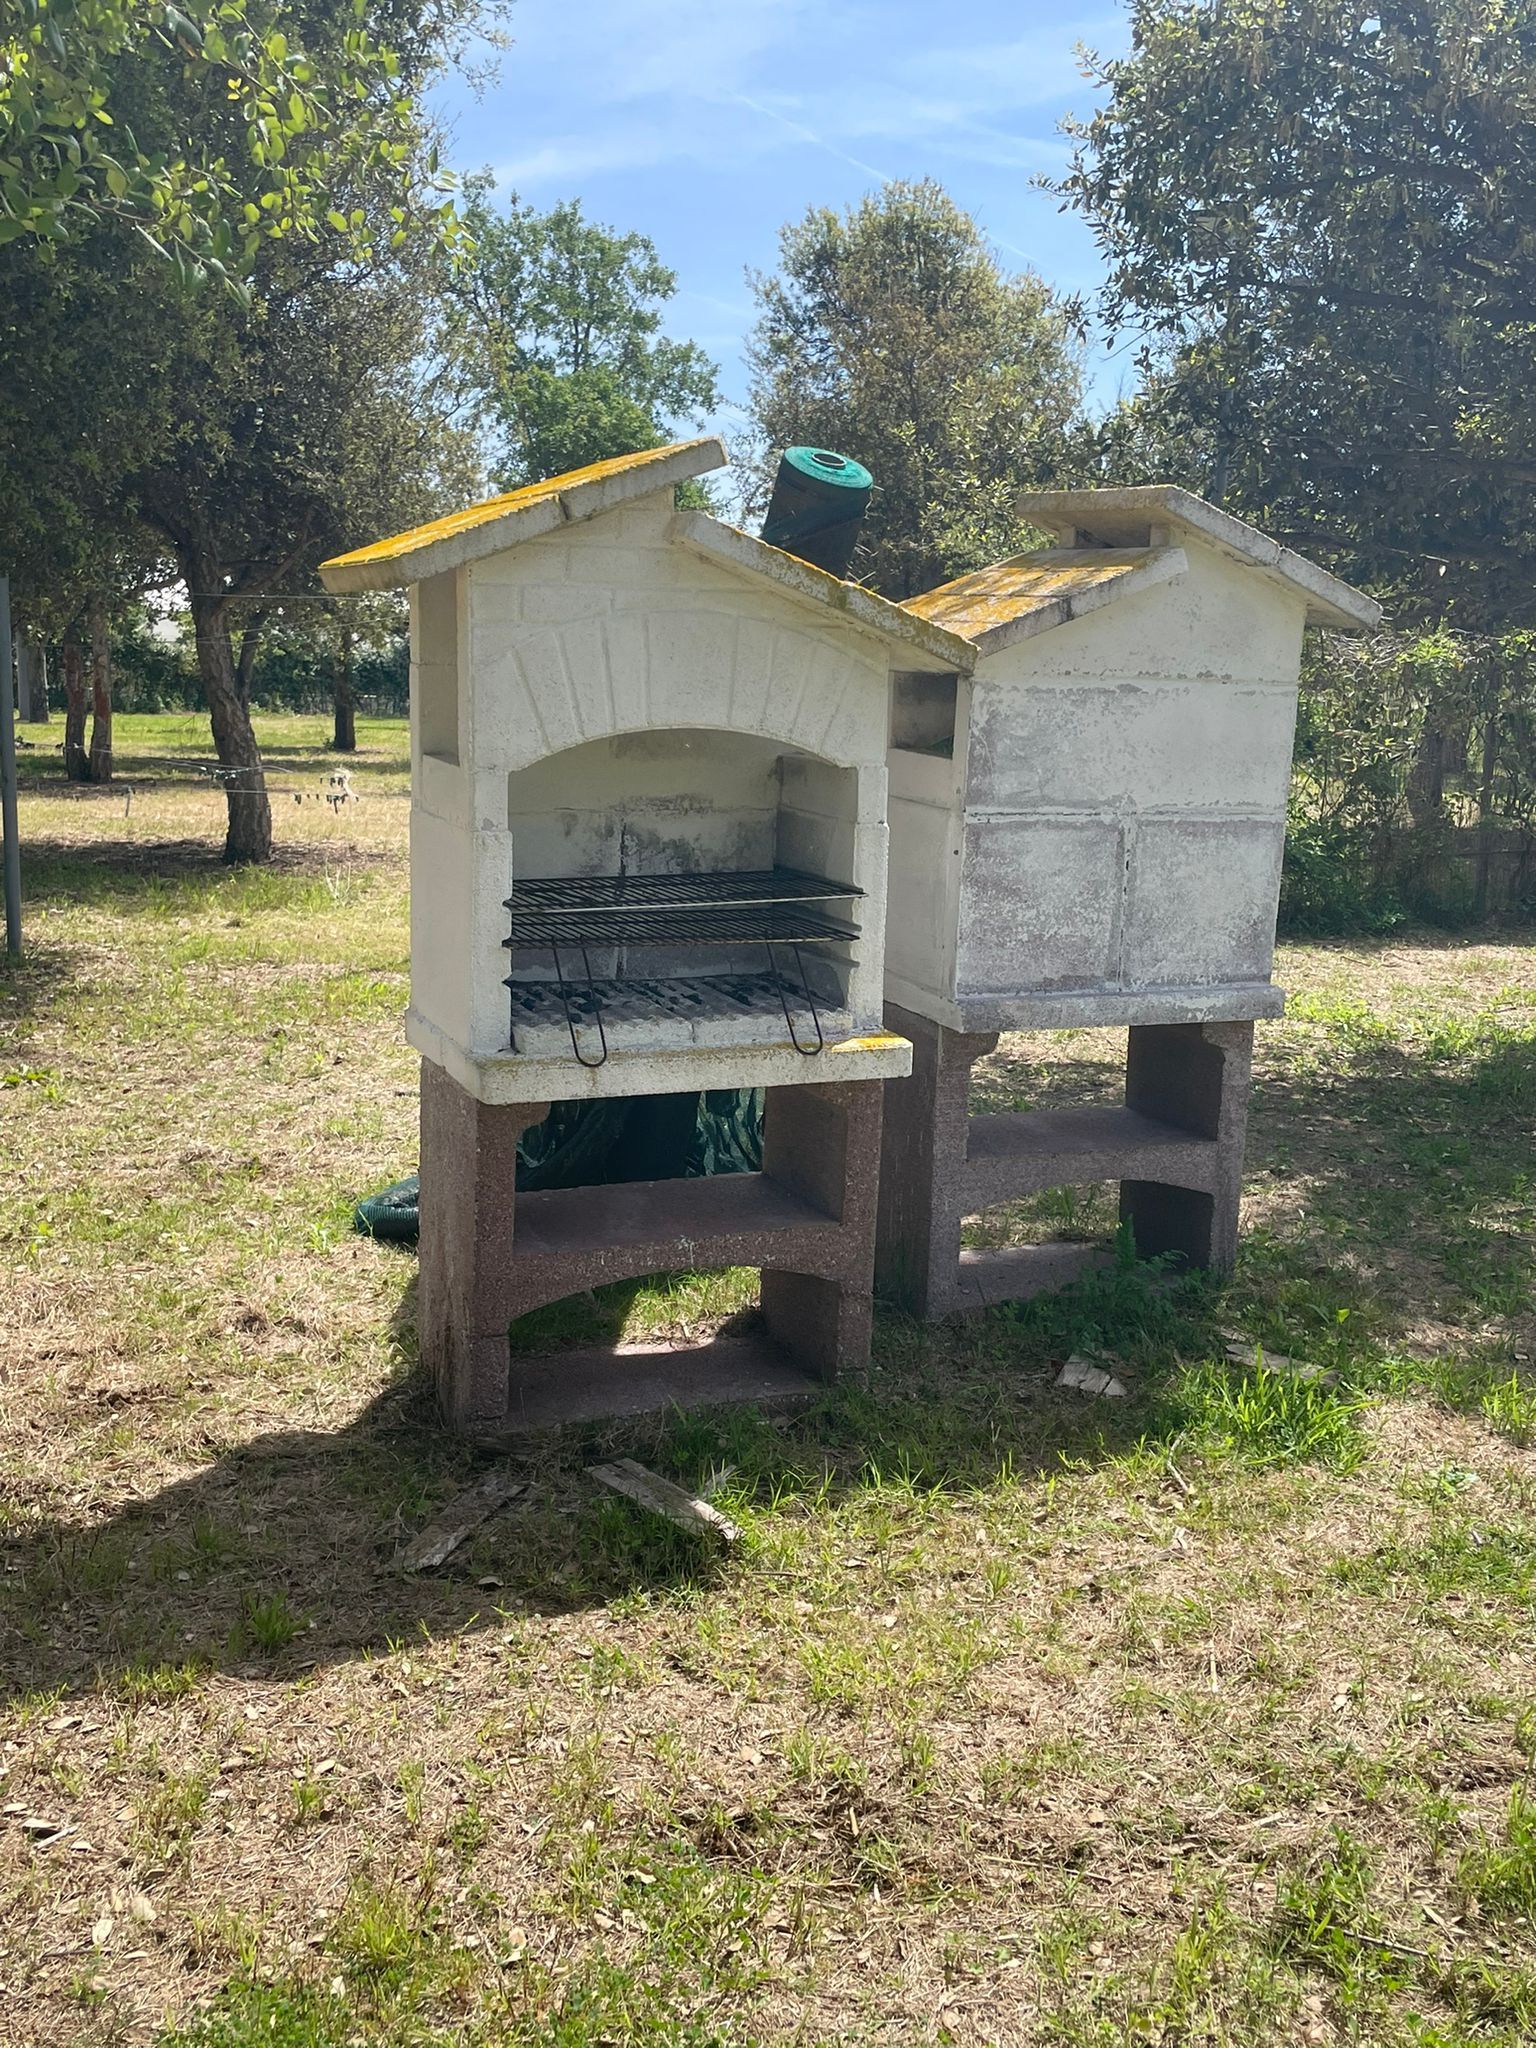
(1319,212)
(1509,1406)
(238,438)
(301,94)
(1404,745)
(253,2015)
(269,1623)
(891,334)
(1274,1418)
(1500,1875)
(559,323)
(1131,1309)
(1323,1912)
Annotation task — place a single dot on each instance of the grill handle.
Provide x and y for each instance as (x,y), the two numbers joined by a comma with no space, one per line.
(809,1051)
(597,1011)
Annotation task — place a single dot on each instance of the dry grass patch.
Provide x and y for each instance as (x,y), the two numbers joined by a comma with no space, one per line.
(1201,1717)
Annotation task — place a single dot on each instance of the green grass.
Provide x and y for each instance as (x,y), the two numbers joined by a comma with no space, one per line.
(1201,1716)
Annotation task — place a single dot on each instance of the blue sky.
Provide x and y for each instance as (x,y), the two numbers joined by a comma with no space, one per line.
(707,124)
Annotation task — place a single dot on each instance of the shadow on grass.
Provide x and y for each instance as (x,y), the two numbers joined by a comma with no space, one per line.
(280,1554)
(40,772)
(180,873)
(1418,1176)
(32,984)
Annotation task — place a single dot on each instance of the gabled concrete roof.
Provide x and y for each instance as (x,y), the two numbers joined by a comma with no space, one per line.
(516,516)
(851,602)
(1124,517)
(1030,594)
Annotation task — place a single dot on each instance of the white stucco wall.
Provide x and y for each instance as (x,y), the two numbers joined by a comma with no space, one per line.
(1119,814)
(605,675)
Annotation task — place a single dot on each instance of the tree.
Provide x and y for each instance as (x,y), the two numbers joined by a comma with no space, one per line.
(240,438)
(290,96)
(310,422)
(68,543)
(560,321)
(1319,214)
(891,334)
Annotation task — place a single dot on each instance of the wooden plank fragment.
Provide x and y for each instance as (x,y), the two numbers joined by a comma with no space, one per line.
(651,1491)
(437,1542)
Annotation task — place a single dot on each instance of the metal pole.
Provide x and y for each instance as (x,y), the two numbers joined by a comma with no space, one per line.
(12,834)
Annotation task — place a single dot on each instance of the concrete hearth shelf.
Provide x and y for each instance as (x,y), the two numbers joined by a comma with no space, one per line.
(661,1214)
(1017,1154)
(1012,1272)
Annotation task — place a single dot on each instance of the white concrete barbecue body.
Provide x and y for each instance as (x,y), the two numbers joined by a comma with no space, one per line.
(627,688)
(1103,844)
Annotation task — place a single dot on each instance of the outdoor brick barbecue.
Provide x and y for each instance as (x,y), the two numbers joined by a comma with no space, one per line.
(653,761)
(648,856)
(1087,830)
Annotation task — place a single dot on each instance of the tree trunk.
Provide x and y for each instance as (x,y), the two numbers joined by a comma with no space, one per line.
(32,676)
(101,694)
(1485,816)
(344,735)
(77,766)
(1426,778)
(249,835)
(250,641)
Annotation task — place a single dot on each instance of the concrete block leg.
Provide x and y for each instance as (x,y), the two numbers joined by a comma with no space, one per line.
(922,1164)
(1198,1077)
(823,1143)
(824,1325)
(465,1289)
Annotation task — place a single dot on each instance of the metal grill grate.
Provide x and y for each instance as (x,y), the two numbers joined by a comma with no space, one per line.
(723,925)
(689,1000)
(576,895)
(767,907)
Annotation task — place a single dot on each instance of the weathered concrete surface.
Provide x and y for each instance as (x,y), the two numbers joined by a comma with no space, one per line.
(1014,600)
(923,1166)
(1142,515)
(490,1254)
(1103,845)
(1175,1146)
(646,1379)
(444,545)
(1199,1079)
(678,1069)
(613,695)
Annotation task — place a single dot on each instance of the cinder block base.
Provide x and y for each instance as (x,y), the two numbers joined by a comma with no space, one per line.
(490,1254)
(1175,1146)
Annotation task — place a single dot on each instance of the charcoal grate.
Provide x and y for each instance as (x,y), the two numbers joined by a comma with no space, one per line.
(697,999)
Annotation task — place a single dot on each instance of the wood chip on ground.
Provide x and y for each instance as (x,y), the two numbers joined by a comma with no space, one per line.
(442,1536)
(651,1491)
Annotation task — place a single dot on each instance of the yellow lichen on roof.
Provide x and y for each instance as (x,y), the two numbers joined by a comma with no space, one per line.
(1027,583)
(497,508)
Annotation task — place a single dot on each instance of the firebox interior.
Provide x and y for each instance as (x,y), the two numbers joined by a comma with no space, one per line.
(680,880)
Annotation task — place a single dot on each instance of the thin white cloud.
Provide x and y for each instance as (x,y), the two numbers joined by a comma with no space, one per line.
(667,81)
(806,134)
(618,51)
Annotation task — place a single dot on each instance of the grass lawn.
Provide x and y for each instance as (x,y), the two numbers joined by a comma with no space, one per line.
(1206,1716)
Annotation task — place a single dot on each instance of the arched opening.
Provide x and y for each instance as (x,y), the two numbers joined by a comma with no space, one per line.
(682,887)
